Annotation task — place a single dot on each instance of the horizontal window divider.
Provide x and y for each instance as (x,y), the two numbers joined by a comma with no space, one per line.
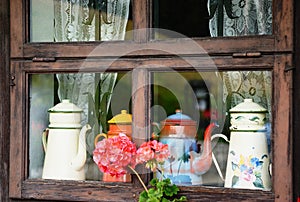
(183,46)
(106,191)
(157,64)
(69,190)
(196,193)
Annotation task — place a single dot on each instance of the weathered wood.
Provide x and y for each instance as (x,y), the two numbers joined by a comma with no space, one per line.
(4,99)
(141,126)
(184,46)
(142,56)
(17,132)
(140,15)
(17,30)
(97,191)
(283,24)
(206,63)
(296,106)
(282,130)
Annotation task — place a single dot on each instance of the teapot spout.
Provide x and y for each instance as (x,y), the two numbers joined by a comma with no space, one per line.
(79,160)
(201,163)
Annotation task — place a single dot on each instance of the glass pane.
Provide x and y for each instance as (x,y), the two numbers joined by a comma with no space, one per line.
(194,18)
(60,107)
(233,108)
(83,20)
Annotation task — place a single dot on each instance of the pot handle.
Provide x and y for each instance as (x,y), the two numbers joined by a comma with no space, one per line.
(213,156)
(44,138)
(98,136)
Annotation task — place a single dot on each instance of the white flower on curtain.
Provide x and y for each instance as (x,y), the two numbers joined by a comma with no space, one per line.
(251,17)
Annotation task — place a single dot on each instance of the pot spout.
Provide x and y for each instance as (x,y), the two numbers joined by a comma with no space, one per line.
(200,163)
(79,160)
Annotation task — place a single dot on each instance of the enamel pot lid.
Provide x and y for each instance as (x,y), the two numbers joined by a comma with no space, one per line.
(65,107)
(179,119)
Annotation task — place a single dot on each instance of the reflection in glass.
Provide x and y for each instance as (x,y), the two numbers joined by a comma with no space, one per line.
(83,20)
(206,98)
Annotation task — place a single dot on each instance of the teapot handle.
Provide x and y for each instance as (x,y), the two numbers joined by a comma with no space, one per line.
(44,138)
(213,156)
(98,136)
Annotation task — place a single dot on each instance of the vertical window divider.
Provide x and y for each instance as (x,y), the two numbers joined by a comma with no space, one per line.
(140,113)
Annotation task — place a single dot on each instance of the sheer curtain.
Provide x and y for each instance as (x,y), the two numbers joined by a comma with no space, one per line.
(71,19)
(246,17)
(74,22)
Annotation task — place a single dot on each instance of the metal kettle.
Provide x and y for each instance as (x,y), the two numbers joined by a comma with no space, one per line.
(248,160)
(186,163)
(64,143)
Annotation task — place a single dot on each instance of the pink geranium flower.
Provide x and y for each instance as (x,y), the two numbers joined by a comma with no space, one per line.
(113,155)
(153,153)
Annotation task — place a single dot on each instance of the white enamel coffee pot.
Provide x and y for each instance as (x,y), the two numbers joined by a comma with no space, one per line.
(248,158)
(64,143)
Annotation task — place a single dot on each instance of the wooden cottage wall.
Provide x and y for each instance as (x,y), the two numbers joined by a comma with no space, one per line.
(4,99)
(5,82)
(296,107)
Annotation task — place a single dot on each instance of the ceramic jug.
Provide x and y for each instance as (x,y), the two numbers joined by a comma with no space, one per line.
(121,123)
(248,158)
(64,143)
(186,163)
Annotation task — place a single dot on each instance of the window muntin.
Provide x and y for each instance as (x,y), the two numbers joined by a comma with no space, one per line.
(220,47)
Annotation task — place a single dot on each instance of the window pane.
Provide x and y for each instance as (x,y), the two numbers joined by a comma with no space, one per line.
(238,103)
(61,105)
(83,20)
(194,18)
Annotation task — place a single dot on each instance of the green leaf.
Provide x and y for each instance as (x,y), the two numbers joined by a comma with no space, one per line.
(254,118)
(171,190)
(143,196)
(234,166)
(103,112)
(182,198)
(235,179)
(258,183)
(154,181)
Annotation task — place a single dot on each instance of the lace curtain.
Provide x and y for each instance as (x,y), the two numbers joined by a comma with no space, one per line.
(72,24)
(245,17)
(72,21)
(86,90)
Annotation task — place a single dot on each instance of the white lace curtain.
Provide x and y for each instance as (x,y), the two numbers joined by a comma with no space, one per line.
(248,17)
(72,20)
(72,23)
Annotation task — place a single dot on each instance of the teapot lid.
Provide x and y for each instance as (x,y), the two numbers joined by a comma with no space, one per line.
(122,118)
(179,119)
(65,106)
(248,106)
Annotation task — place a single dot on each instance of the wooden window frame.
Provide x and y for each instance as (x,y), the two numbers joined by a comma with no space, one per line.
(275,55)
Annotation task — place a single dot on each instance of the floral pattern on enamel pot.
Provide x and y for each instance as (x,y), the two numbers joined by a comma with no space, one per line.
(248,160)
